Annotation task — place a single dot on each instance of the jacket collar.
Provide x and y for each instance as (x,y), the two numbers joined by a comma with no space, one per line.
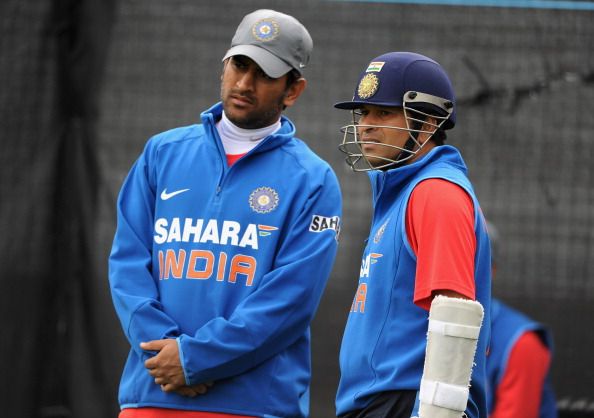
(286,132)
(396,179)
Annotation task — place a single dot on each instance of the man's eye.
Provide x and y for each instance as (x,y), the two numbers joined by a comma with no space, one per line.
(239,64)
(263,75)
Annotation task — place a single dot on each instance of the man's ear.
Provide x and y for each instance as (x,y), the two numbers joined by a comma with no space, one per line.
(224,67)
(430,125)
(294,91)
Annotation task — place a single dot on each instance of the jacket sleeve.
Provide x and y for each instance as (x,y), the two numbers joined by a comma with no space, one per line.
(134,291)
(280,310)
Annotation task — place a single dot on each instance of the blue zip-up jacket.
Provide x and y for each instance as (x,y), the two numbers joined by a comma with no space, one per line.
(507,326)
(230,261)
(383,346)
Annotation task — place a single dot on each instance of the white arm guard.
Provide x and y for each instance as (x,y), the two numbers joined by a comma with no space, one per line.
(454,326)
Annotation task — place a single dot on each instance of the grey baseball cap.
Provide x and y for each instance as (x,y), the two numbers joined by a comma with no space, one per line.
(276,41)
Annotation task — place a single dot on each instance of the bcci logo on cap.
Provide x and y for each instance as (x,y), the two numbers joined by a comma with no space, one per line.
(265,30)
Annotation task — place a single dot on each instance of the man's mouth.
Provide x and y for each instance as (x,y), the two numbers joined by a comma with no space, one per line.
(241,99)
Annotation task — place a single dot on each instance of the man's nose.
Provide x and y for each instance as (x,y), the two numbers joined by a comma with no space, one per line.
(367,120)
(246,81)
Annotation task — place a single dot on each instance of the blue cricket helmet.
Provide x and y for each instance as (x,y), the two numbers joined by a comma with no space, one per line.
(392,75)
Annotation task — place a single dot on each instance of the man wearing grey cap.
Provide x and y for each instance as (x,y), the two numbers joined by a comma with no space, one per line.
(227,232)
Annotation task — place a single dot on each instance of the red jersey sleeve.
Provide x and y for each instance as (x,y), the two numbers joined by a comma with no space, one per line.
(519,392)
(440,231)
(150,412)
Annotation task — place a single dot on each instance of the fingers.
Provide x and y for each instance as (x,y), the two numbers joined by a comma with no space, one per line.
(186,391)
(154,345)
(200,389)
(164,378)
(161,381)
(151,363)
(165,351)
(168,387)
(189,391)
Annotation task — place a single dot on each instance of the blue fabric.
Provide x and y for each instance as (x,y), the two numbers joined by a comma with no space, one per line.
(383,347)
(507,326)
(230,261)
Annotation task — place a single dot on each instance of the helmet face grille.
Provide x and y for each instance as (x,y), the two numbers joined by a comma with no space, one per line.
(417,122)
(390,76)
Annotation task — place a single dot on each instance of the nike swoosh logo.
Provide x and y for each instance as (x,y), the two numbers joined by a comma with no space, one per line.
(166,196)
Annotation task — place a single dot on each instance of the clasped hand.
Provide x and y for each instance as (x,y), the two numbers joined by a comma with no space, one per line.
(165,367)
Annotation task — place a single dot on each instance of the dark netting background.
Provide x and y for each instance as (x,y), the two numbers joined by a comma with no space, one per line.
(85,83)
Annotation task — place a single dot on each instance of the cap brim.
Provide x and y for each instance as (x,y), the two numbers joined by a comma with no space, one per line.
(272,65)
(348,105)
(355,104)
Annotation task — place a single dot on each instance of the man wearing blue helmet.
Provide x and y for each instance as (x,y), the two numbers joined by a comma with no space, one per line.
(417,333)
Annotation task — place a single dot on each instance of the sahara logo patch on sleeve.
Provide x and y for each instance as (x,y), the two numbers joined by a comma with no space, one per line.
(322,223)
